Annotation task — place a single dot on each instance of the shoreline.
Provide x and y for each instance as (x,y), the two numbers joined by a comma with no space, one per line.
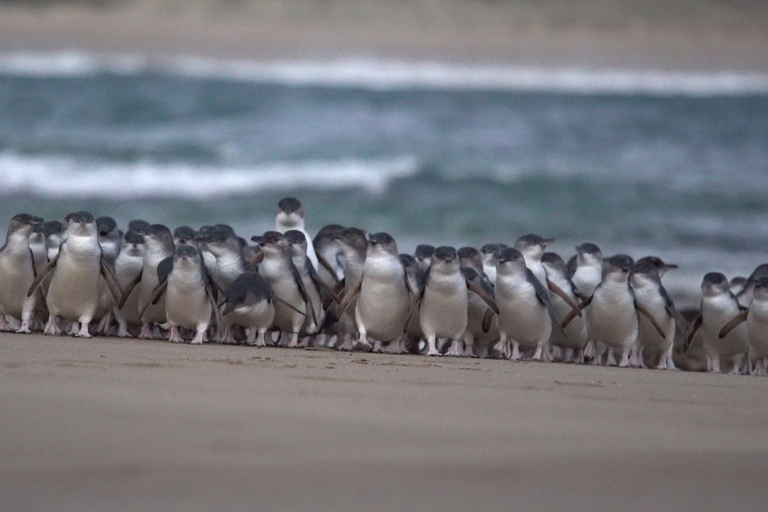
(508,33)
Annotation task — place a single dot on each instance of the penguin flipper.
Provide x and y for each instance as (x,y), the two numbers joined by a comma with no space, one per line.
(574,312)
(733,323)
(415,302)
(214,306)
(340,285)
(128,289)
(289,305)
(487,319)
(474,287)
(647,314)
(322,285)
(112,283)
(349,297)
(256,259)
(154,297)
(43,273)
(692,332)
(561,293)
(303,292)
(327,266)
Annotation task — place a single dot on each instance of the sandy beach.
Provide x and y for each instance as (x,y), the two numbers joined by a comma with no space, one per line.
(119,424)
(684,34)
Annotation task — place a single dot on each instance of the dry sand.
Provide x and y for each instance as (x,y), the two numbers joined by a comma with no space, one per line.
(111,424)
(613,33)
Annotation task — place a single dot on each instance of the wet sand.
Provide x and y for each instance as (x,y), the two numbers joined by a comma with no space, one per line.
(679,34)
(113,424)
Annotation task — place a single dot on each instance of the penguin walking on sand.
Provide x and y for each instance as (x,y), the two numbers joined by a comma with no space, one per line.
(190,297)
(277,267)
(444,302)
(383,294)
(756,318)
(571,340)
(76,270)
(250,303)
(650,293)
(128,265)
(18,272)
(718,308)
(526,317)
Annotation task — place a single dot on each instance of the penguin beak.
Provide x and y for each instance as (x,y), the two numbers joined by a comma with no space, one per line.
(547,241)
(670,266)
(258,239)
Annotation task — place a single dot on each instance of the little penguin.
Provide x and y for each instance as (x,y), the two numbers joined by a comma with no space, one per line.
(250,303)
(76,271)
(290,215)
(526,317)
(190,297)
(756,318)
(18,272)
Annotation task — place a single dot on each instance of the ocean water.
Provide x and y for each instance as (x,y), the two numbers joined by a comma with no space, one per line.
(667,163)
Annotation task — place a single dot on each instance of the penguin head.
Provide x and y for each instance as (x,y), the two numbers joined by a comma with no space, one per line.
(219,240)
(489,252)
(617,268)
(290,214)
(133,243)
(509,260)
(761,289)
(159,238)
(382,243)
(184,235)
(139,226)
(352,240)
(423,255)
(22,225)
(79,223)
(327,235)
(714,284)
(469,257)
(271,242)
(657,263)
(737,284)
(106,227)
(532,245)
(445,260)
(188,256)
(554,264)
(588,254)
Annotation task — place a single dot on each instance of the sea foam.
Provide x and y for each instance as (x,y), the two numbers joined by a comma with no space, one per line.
(60,176)
(380,74)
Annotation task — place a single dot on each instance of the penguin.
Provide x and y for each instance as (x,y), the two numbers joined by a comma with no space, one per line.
(383,294)
(650,293)
(249,302)
(17,273)
(277,267)
(718,307)
(222,242)
(314,286)
(128,267)
(158,245)
(110,238)
(756,318)
(444,301)
(423,255)
(76,269)
(573,339)
(526,316)
(190,297)
(353,244)
(413,333)
(613,313)
(737,285)
(480,336)
(290,215)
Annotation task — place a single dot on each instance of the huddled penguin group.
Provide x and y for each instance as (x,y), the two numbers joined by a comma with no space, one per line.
(352,290)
